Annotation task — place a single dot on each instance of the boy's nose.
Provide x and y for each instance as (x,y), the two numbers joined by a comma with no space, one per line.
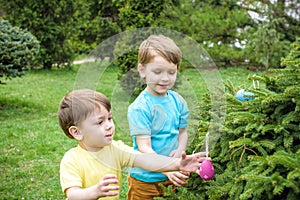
(164,76)
(109,125)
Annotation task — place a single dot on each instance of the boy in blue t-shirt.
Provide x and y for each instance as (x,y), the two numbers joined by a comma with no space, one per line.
(158,117)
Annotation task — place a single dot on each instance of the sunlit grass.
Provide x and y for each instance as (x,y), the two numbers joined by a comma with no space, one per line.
(32,143)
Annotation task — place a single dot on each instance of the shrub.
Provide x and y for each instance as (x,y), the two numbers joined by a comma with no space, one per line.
(126,54)
(52,23)
(18,49)
(141,14)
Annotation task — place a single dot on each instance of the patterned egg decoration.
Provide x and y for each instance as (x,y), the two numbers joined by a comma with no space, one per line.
(206,170)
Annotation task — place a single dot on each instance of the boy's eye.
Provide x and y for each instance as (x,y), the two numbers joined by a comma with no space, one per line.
(99,122)
(156,72)
(173,72)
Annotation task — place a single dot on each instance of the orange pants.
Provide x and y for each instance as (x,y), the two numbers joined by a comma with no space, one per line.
(139,190)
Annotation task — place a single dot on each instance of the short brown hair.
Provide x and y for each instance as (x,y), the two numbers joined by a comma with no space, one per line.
(77,105)
(163,46)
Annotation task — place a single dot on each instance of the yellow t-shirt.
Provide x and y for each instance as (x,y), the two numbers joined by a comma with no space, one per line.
(85,169)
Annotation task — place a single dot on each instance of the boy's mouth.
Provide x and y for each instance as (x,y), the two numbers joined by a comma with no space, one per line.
(163,86)
(109,135)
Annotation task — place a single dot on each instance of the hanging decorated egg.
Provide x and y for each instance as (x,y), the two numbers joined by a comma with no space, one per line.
(206,170)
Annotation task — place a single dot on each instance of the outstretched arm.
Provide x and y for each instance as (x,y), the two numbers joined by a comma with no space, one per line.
(158,163)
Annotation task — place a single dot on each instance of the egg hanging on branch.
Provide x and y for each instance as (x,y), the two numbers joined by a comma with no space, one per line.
(243,95)
(206,169)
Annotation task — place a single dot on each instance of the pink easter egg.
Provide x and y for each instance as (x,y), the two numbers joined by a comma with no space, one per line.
(206,170)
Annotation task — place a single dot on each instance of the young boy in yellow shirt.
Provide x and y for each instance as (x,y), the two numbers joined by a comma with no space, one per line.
(93,169)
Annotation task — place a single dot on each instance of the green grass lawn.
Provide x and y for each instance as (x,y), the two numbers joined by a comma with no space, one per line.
(33,144)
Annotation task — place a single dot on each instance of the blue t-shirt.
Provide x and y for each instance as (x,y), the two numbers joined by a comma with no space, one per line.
(159,117)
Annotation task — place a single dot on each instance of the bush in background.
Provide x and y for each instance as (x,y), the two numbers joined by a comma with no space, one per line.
(51,22)
(18,50)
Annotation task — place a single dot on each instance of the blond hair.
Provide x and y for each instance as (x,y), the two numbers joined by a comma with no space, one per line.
(77,105)
(161,45)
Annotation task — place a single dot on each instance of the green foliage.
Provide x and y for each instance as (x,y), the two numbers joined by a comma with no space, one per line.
(263,171)
(126,53)
(18,49)
(266,45)
(141,14)
(284,13)
(84,24)
(66,27)
(220,25)
(274,30)
(95,21)
(50,22)
(215,25)
(258,153)
(171,195)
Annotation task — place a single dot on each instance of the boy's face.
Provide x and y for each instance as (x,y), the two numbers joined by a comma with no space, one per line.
(97,130)
(160,75)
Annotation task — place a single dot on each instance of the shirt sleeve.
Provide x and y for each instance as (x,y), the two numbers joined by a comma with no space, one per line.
(69,173)
(139,122)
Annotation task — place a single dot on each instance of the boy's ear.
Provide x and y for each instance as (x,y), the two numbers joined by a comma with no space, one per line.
(73,130)
(141,70)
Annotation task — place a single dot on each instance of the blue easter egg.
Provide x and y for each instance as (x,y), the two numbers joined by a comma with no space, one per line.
(242,95)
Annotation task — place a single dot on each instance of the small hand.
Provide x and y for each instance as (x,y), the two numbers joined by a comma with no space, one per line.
(191,163)
(105,189)
(178,178)
(101,189)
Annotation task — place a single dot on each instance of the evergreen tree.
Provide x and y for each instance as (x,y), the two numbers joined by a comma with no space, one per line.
(138,16)
(218,25)
(18,49)
(258,153)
